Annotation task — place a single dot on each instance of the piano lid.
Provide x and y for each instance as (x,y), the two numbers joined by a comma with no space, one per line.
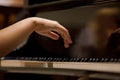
(50,5)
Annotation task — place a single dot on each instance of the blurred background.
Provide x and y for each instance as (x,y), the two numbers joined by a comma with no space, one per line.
(9,10)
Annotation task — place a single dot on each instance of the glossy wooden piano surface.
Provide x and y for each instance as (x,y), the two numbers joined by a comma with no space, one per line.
(107,70)
(113,67)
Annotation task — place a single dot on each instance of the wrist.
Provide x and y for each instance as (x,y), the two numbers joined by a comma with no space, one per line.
(36,22)
(32,23)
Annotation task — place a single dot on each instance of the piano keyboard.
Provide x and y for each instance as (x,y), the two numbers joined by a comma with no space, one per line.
(95,64)
(50,59)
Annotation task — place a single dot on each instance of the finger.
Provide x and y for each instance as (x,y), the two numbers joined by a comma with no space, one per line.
(51,35)
(54,35)
(66,44)
(66,37)
(64,34)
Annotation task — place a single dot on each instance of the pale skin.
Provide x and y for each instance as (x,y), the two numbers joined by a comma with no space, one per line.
(15,34)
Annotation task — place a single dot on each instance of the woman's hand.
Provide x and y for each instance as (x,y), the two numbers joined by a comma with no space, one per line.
(48,28)
(14,35)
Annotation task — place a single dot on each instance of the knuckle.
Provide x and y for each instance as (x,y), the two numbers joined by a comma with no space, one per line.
(56,22)
(66,30)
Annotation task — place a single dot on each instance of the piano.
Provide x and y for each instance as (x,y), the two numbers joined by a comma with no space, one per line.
(75,67)
(41,55)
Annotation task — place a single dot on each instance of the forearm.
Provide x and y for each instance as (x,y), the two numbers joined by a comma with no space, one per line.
(13,35)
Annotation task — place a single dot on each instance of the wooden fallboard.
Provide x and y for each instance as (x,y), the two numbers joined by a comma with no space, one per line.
(91,66)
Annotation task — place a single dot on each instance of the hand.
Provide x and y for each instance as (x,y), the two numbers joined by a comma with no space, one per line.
(48,28)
